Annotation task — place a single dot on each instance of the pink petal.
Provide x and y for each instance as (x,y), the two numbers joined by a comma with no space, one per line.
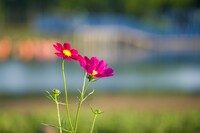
(82,62)
(89,71)
(67,45)
(59,55)
(109,71)
(67,58)
(101,66)
(94,63)
(79,57)
(99,76)
(111,74)
(74,51)
(58,46)
(87,60)
(76,57)
(85,63)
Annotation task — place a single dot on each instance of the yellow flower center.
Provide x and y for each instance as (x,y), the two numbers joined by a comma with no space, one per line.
(94,72)
(67,52)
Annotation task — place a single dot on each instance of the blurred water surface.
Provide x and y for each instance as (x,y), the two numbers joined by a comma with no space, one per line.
(17,77)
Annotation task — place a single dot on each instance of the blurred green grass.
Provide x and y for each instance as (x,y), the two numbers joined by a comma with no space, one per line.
(112,122)
(143,114)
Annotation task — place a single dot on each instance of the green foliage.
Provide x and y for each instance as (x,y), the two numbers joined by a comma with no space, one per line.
(110,122)
(21,10)
(151,122)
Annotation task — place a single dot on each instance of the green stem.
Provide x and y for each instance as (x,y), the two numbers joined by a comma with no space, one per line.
(58,113)
(95,116)
(84,91)
(81,101)
(77,115)
(66,95)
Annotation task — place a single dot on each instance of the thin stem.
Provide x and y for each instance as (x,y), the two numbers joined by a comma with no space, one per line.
(77,115)
(83,87)
(66,95)
(84,91)
(95,116)
(81,101)
(58,113)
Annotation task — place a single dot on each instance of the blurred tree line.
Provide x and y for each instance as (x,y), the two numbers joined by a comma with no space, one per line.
(20,11)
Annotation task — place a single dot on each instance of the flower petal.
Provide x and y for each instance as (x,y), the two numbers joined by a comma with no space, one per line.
(74,51)
(94,63)
(67,45)
(109,72)
(67,58)
(59,55)
(58,46)
(99,76)
(77,57)
(82,62)
(87,60)
(101,66)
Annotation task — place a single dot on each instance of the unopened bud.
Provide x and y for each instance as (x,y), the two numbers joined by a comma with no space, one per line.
(98,111)
(55,93)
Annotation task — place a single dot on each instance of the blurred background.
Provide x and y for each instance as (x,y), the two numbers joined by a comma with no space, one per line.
(153,46)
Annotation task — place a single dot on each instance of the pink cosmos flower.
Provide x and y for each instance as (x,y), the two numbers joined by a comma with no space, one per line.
(65,52)
(95,68)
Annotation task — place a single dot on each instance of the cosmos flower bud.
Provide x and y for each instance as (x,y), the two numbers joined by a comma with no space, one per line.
(55,93)
(98,111)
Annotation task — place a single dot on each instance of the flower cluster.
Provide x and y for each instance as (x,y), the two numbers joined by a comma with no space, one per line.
(94,67)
